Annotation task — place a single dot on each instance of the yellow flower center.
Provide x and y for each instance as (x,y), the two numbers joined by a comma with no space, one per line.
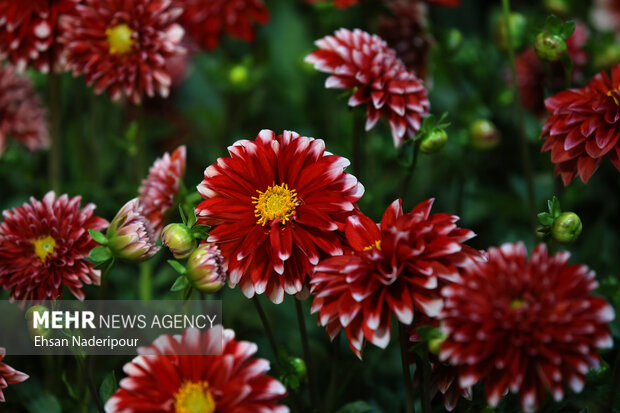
(194,398)
(119,38)
(44,247)
(277,202)
(376,245)
(612,93)
(516,304)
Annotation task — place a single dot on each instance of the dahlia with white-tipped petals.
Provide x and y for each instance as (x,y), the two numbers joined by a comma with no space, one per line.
(363,62)
(528,326)
(8,375)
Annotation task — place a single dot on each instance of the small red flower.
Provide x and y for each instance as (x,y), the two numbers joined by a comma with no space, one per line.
(22,115)
(208,20)
(159,190)
(522,325)
(44,244)
(397,267)
(123,46)
(8,375)
(361,61)
(274,206)
(584,126)
(29,32)
(163,379)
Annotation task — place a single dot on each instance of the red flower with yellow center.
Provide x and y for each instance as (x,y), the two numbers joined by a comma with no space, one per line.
(584,127)
(44,245)
(397,267)
(275,205)
(123,46)
(164,379)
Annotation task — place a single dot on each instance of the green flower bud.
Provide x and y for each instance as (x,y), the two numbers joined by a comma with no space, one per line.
(454,40)
(550,47)
(238,75)
(39,331)
(561,7)
(434,345)
(567,228)
(179,240)
(298,367)
(434,141)
(483,134)
(518,25)
(205,269)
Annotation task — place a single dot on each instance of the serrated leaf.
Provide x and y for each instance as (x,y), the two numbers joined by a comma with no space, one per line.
(545,219)
(98,236)
(100,254)
(567,29)
(108,386)
(178,267)
(180,283)
(356,407)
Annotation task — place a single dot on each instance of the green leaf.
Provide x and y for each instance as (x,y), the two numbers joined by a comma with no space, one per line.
(545,219)
(554,207)
(428,333)
(553,24)
(178,267)
(567,62)
(567,29)
(182,213)
(191,220)
(180,283)
(98,236)
(74,393)
(100,254)
(108,387)
(200,233)
(356,407)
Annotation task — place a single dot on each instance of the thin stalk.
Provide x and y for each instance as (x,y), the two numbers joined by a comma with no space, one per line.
(91,384)
(356,139)
(333,380)
(407,382)
(266,326)
(146,283)
(104,280)
(409,173)
(615,384)
(307,354)
(525,153)
(423,365)
(54,89)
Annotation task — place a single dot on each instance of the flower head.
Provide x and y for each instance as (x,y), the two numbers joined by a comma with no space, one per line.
(275,205)
(361,61)
(22,115)
(206,270)
(130,235)
(524,325)
(8,375)
(584,126)
(208,21)
(123,46)
(44,245)
(164,379)
(29,33)
(160,188)
(396,267)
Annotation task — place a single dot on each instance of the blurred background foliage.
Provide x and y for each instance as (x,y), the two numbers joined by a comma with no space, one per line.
(238,89)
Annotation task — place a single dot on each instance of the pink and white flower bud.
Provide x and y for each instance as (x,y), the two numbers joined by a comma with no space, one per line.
(206,270)
(130,235)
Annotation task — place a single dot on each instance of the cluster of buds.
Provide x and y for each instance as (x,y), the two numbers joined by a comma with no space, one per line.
(563,227)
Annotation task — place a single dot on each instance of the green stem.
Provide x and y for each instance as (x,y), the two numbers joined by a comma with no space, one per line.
(91,384)
(356,137)
(307,354)
(266,326)
(146,284)
(424,366)
(104,280)
(407,382)
(333,380)
(615,384)
(54,89)
(525,153)
(409,173)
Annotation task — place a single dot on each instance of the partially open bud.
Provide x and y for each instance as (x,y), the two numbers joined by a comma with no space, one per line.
(516,28)
(179,239)
(567,228)
(39,310)
(550,47)
(206,271)
(434,141)
(483,134)
(130,235)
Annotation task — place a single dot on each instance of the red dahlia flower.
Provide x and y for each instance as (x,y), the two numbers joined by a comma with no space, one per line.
(159,190)
(275,205)
(584,126)
(163,380)
(361,61)
(208,20)
(8,375)
(29,32)
(123,46)
(396,267)
(528,326)
(44,244)
(22,115)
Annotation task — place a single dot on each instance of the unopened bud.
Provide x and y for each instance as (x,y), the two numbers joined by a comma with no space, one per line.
(483,134)
(179,240)
(550,47)
(130,235)
(434,141)
(205,269)
(567,228)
